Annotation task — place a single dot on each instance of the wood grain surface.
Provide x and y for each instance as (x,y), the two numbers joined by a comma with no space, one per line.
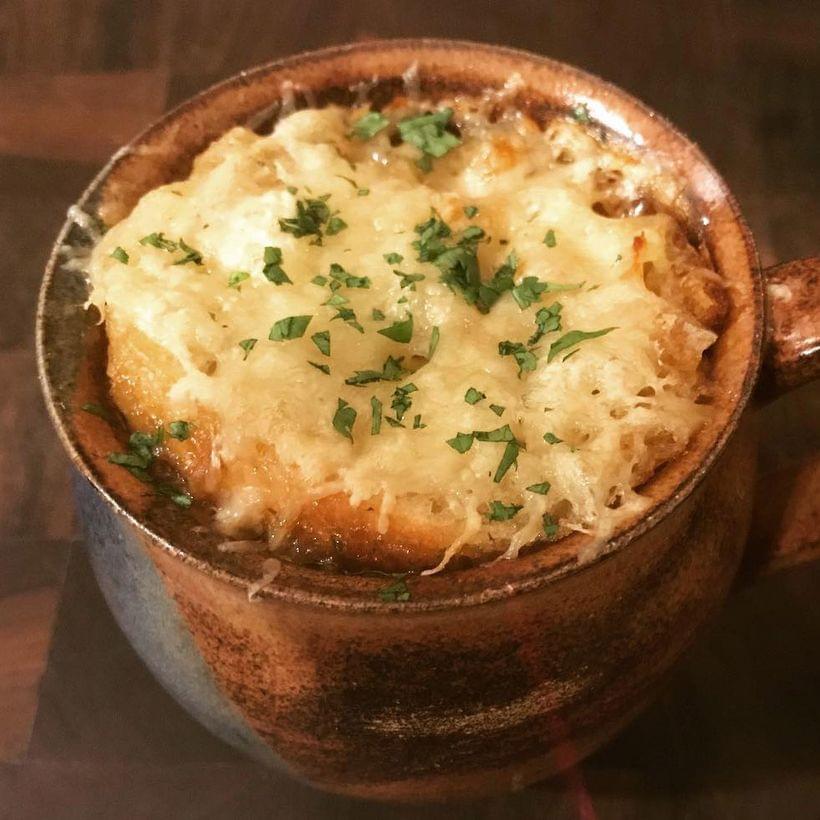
(84,729)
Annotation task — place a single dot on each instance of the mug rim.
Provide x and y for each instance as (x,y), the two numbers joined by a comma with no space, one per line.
(500,586)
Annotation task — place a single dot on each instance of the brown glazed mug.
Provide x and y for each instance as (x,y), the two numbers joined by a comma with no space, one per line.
(488,678)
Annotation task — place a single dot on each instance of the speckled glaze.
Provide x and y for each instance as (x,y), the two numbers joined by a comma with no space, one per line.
(489,678)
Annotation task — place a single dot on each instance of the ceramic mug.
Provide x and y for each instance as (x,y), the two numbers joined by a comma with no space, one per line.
(488,678)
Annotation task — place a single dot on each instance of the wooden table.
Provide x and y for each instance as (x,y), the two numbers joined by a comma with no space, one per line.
(84,730)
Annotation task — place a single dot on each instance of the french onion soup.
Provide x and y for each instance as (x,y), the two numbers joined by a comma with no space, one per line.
(402,338)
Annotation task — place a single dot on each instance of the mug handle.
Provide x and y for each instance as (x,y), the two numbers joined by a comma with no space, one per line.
(786,520)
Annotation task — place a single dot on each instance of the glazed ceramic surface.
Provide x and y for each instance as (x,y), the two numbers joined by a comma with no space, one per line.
(487,678)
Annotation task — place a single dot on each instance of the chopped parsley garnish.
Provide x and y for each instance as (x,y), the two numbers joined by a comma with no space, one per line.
(398,591)
(334,225)
(120,254)
(547,320)
(323,367)
(391,371)
(369,125)
(362,191)
(343,419)
(247,345)
(470,211)
(573,338)
(97,410)
(321,281)
(393,258)
(312,216)
(292,189)
(375,416)
(428,132)
(322,341)
(524,357)
(393,422)
(499,434)
(399,331)
(179,497)
(550,525)
(347,315)
(542,489)
(402,402)
(461,442)
(159,240)
(273,267)
(237,278)
(551,438)
(435,335)
(191,254)
(378,315)
(502,512)
(473,396)
(341,278)
(509,457)
(140,455)
(531,288)
(291,327)
(458,263)
(180,430)
(549,238)
(408,280)
(417,425)
(497,409)
(580,113)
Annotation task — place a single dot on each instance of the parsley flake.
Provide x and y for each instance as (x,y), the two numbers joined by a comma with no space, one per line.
(428,132)
(159,240)
(408,280)
(401,332)
(273,267)
(247,345)
(461,442)
(237,278)
(573,338)
(323,367)
(344,418)
(550,525)
(334,225)
(391,371)
(502,512)
(378,315)
(525,358)
(531,288)
(402,402)
(508,459)
(473,396)
(497,409)
(120,254)
(97,410)
(549,238)
(542,489)
(551,438)
(547,320)
(191,254)
(322,341)
(470,211)
(580,113)
(291,327)
(435,335)
(180,430)
(369,125)
(375,416)
(321,281)
(393,258)
(398,591)
(311,216)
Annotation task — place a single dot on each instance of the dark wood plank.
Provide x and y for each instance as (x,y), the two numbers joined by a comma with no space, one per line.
(734,735)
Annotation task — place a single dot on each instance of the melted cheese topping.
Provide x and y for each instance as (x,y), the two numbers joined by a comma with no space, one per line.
(265,450)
